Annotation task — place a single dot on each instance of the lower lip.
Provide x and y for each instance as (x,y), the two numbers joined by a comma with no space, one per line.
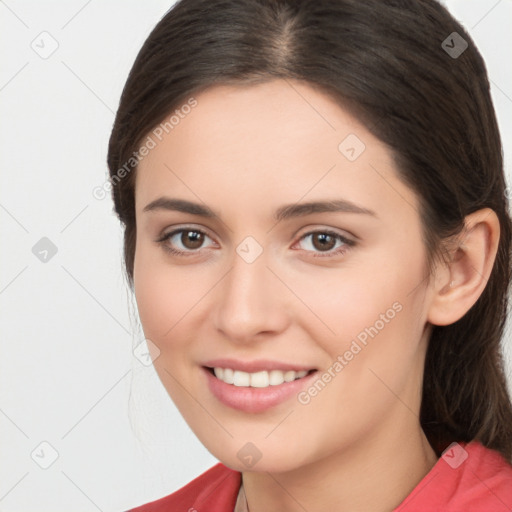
(254,400)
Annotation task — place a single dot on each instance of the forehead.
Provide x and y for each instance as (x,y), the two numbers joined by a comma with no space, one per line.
(271,142)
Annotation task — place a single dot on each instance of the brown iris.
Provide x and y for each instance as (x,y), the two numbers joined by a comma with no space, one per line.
(192,239)
(323,241)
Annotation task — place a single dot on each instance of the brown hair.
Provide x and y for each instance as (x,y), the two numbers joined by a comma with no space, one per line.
(388,61)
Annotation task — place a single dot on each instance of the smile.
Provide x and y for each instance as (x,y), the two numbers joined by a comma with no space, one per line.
(261,379)
(258,391)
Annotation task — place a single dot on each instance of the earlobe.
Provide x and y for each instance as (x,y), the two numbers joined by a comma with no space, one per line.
(458,284)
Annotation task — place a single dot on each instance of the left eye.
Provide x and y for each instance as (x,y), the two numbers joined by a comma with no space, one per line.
(326,242)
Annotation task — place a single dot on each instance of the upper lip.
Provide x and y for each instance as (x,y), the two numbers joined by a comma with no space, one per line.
(257,365)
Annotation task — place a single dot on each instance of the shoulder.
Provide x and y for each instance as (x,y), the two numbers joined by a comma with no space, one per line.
(217,488)
(486,482)
(467,477)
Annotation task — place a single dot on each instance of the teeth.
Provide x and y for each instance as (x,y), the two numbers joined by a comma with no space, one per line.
(276,377)
(258,380)
(241,379)
(228,375)
(261,379)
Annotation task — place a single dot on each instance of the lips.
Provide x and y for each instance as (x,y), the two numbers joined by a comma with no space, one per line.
(255,399)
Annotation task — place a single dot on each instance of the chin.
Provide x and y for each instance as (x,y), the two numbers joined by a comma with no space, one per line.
(239,459)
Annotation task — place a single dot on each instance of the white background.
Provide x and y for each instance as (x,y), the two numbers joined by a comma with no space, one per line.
(67,373)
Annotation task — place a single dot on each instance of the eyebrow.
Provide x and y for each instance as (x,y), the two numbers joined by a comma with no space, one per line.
(283,213)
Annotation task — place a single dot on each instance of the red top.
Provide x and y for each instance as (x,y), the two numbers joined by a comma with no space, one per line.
(467,477)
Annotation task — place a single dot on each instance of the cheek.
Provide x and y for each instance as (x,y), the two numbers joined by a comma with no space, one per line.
(343,302)
(376,303)
(162,295)
(170,299)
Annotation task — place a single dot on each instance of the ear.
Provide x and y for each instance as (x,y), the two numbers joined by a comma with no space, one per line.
(459,283)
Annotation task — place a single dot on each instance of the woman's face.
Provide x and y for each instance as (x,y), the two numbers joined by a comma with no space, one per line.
(338,287)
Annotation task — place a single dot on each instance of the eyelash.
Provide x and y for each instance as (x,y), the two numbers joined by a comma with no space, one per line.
(327,254)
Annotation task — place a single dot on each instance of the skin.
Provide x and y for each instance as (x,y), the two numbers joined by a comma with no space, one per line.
(244,152)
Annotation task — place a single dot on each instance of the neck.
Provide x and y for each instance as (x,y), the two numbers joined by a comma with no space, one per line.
(377,475)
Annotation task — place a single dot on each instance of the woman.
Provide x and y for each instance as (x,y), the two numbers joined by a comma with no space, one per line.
(317,235)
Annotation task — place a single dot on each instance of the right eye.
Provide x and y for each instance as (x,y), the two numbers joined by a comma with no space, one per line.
(184,241)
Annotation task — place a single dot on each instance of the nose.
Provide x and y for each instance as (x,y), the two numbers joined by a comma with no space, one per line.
(251,302)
